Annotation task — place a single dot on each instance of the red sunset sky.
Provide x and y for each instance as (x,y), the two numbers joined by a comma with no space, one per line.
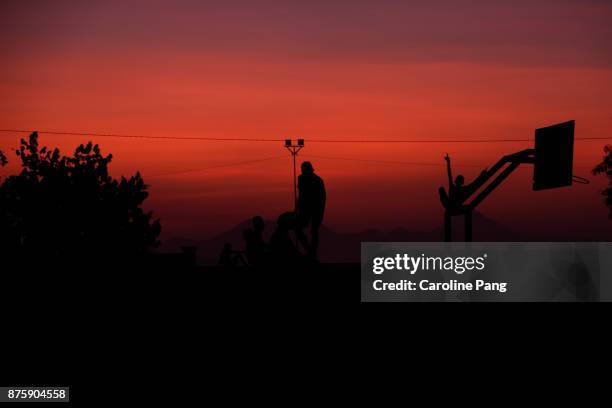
(339,70)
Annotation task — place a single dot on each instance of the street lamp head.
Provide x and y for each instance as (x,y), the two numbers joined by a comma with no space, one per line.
(287,142)
(301,142)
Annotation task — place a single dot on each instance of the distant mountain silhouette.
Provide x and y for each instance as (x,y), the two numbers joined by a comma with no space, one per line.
(341,247)
(485,229)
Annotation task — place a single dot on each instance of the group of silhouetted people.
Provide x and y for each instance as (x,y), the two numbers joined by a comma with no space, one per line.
(283,249)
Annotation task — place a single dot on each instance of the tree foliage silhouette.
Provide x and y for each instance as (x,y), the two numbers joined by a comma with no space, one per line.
(69,207)
(605,167)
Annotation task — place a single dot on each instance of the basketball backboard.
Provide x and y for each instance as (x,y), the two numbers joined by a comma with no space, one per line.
(554,156)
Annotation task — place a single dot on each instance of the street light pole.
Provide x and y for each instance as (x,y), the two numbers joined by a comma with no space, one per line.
(294,149)
(294,183)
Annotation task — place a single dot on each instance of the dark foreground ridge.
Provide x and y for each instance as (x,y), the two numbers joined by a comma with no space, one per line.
(329,283)
(153,287)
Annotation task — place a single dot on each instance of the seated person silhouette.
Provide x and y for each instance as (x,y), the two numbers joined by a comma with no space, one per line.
(458,192)
(247,235)
(282,249)
(229,257)
(255,244)
(226,257)
(310,207)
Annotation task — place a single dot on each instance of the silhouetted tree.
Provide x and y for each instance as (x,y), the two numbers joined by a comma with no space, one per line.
(68,208)
(605,167)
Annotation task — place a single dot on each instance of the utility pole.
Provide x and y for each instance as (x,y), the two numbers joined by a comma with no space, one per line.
(294,149)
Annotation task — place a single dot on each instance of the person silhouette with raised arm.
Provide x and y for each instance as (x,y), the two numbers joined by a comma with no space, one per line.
(454,198)
(310,207)
(458,191)
(454,201)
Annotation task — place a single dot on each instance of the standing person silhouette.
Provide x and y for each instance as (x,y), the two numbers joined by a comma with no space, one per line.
(310,207)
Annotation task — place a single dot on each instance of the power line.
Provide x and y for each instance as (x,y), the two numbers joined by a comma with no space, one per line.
(235,164)
(243,139)
(214,167)
(225,139)
(439,140)
(438,164)
(385,161)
